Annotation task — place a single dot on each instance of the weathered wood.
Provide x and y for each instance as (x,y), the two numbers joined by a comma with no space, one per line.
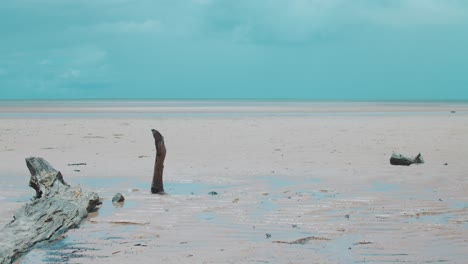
(157,184)
(56,208)
(303,241)
(398,159)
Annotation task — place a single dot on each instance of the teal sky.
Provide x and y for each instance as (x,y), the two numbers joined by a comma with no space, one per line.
(316,49)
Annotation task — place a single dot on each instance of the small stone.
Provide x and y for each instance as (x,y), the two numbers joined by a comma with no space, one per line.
(118,198)
(445,164)
(268,236)
(213,193)
(140,245)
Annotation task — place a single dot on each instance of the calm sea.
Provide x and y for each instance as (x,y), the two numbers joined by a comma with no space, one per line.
(147,107)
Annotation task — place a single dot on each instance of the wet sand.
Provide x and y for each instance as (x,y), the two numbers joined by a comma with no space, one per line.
(280,175)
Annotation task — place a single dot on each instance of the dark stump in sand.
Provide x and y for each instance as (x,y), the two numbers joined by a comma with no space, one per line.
(157,185)
(56,208)
(398,159)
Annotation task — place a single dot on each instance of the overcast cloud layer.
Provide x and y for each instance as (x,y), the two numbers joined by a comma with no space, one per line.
(332,49)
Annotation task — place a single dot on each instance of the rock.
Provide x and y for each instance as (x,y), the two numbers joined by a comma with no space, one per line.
(398,159)
(213,193)
(56,208)
(118,198)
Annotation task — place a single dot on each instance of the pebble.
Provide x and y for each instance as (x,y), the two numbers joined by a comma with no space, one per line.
(118,197)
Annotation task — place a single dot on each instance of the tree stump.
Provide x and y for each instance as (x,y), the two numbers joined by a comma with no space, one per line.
(157,185)
(56,208)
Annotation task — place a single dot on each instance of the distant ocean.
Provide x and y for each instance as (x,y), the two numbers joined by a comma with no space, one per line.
(196,107)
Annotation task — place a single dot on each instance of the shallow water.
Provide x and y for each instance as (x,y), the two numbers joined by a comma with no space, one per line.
(245,213)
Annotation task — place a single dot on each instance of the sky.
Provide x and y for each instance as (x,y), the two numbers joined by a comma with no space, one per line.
(234,49)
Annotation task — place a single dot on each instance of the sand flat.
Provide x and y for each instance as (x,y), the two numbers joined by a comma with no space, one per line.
(290,171)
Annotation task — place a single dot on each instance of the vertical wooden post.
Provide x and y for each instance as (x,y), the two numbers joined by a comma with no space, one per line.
(157,184)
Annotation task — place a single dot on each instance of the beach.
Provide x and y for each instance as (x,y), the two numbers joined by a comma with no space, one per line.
(281,171)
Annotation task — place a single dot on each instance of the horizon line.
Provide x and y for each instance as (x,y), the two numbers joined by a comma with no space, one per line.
(243,99)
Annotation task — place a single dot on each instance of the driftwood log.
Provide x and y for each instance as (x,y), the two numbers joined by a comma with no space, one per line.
(56,208)
(398,159)
(157,185)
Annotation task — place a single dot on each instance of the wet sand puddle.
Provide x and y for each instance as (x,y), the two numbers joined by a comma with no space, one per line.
(270,220)
(14,192)
(425,230)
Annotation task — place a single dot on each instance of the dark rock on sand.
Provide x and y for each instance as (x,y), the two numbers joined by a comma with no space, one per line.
(398,159)
(213,193)
(118,198)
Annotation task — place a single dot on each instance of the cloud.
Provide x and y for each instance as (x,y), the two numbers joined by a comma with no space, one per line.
(299,21)
(203,2)
(74,68)
(130,26)
(124,27)
(70,74)
(88,56)
(411,13)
